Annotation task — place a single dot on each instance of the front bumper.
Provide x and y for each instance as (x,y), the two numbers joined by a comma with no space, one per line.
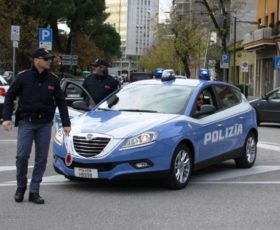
(156,157)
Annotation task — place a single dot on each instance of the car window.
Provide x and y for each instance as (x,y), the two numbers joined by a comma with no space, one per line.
(204,97)
(275,96)
(150,98)
(3,82)
(228,96)
(72,90)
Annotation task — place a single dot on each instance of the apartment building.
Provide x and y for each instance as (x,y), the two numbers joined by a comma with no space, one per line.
(264,41)
(135,21)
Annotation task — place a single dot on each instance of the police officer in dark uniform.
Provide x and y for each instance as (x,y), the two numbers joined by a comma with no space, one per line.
(99,84)
(39,93)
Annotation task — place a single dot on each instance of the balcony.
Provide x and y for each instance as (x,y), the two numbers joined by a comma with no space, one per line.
(258,39)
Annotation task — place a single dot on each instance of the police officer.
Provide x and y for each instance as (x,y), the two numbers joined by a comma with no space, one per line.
(39,92)
(99,84)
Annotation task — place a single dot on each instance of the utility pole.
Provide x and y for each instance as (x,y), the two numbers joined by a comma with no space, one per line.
(234,48)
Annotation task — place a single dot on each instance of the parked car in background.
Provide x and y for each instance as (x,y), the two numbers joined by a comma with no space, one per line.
(137,76)
(4,86)
(268,107)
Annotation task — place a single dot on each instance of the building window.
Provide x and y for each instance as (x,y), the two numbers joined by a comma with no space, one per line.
(266,21)
(272,20)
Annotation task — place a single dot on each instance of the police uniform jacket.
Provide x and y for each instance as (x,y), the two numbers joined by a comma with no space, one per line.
(100,87)
(38,94)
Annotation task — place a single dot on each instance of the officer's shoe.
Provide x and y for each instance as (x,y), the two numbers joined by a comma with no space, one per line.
(35,198)
(19,195)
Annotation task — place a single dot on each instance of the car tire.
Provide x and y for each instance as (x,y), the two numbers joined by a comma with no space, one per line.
(181,167)
(249,153)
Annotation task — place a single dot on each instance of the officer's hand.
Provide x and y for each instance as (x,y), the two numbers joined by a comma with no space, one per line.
(7,125)
(67,130)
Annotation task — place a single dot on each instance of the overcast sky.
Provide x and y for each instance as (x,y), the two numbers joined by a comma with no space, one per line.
(164,6)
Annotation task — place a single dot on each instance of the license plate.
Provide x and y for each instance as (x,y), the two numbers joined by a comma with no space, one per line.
(86,173)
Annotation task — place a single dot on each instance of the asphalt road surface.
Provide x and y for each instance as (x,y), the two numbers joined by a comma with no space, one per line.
(218,197)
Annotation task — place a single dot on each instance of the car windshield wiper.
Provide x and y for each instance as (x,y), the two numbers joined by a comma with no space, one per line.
(138,110)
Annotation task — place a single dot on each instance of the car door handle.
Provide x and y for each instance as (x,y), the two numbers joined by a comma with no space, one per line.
(241,118)
(220,125)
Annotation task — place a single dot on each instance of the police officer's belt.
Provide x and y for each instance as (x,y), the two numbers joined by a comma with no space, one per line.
(34,117)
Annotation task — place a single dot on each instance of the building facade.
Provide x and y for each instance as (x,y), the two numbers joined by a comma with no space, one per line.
(242,62)
(135,21)
(264,41)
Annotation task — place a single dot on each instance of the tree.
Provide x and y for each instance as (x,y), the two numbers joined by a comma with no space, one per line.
(188,41)
(220,13)
(85,19)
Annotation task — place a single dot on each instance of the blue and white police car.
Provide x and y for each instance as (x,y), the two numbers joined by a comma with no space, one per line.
(157,127)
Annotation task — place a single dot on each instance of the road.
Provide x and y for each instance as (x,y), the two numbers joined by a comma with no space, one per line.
(219,197)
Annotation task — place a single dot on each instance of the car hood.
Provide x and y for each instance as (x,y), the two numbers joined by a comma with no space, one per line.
(118,124)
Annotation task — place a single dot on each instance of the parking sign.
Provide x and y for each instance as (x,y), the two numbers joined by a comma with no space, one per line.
(277,63)
(224,63)
(45,38)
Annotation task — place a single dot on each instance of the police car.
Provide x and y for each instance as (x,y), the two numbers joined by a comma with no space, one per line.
(157,128)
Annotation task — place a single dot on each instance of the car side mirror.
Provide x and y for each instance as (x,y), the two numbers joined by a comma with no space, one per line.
(264,97)
(81,105)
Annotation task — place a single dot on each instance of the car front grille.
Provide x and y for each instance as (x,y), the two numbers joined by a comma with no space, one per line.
(89,148)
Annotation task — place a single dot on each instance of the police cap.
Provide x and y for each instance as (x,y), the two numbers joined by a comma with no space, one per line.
(43,53)
(99,62)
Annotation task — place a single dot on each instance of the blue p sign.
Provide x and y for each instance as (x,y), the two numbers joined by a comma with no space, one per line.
(45,35)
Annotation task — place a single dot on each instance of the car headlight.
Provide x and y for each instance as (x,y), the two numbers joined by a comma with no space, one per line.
(141,140)
(59,136)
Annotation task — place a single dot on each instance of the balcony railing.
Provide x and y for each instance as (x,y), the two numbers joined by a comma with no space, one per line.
(260,34)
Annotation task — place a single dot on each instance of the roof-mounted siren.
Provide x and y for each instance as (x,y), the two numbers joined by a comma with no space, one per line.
(168,75)
(158,73)
(204,74)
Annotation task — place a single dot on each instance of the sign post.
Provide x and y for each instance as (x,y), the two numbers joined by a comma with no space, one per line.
(224,64)
(245,71)
(15,37)
(45,38)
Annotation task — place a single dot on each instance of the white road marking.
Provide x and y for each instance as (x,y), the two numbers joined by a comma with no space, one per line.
(48,180)
(269,146)
(237,182)
(234,173)
(9,168)
(209,178)
(212,178)
(8,140)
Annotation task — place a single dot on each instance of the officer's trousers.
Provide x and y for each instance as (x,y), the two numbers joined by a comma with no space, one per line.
(41,135)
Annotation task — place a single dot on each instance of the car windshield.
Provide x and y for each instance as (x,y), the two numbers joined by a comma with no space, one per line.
(149,98)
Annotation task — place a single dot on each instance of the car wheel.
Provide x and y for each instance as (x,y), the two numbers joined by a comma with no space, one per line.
(181,167)
(249,154)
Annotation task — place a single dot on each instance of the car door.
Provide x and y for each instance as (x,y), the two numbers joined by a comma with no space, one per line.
(232,126)
(269,107)
(72,91)
(80,104)
(206,126)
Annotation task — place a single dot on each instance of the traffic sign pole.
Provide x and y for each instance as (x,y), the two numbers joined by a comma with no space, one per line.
(15,36)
